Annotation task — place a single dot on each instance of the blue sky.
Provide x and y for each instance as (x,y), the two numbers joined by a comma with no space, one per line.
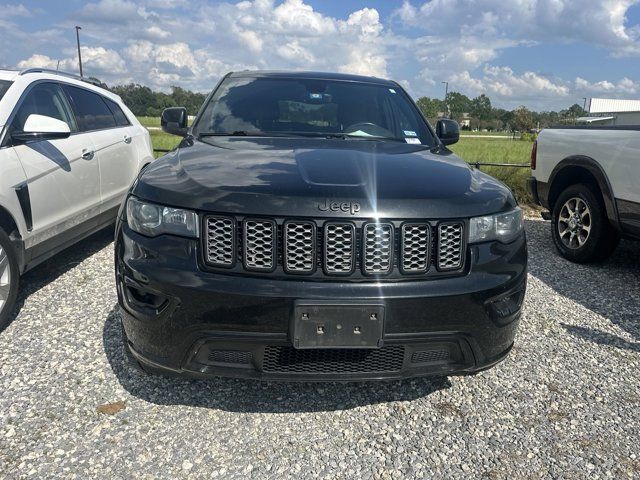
(546,54)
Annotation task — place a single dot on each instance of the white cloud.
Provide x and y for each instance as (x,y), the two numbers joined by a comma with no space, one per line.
(624,87)
(503,83)
(596,22)
(162,43)
(96,61)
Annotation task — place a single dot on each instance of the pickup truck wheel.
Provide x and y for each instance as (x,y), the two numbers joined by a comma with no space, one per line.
(580,228)
(9,277)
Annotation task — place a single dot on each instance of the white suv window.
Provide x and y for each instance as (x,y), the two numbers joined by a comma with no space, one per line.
(4,86)
(45,99)
(91,110)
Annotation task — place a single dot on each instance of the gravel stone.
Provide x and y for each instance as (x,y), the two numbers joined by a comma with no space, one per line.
(565,404)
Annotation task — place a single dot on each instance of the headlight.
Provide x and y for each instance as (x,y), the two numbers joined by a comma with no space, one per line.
(503,227)
(152,220)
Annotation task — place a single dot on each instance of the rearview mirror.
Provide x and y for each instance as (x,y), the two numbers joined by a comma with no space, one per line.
(448,131)
(41,127)
(174,121)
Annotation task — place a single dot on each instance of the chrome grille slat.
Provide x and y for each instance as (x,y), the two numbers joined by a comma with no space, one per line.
(339,248)
(450,246)
(377,248)
(299,246)
(259,244)
(220,241)
(415,247)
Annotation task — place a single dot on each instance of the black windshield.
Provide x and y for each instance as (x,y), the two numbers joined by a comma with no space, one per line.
(301,106)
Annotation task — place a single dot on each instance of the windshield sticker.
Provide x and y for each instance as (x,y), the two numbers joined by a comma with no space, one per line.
(392,90)
(410,133)
(315,96)
(413,141)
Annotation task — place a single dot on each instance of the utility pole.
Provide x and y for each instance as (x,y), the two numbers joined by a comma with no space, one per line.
(79,55)
(446,93)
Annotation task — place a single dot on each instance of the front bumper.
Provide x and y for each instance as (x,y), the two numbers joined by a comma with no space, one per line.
(180,319)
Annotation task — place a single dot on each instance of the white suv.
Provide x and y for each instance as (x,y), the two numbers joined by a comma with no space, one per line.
(69,151)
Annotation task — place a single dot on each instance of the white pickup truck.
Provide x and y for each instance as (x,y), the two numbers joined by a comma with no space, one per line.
(589,179)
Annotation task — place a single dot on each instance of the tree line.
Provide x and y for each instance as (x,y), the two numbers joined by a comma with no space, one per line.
(143,101)
(483,116)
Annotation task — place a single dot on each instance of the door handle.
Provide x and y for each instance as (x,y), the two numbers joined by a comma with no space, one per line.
(87,154)
(127,139)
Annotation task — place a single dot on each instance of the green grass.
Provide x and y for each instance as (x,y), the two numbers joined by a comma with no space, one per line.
(490,150)
(464,133)
(163,141)
(149,121)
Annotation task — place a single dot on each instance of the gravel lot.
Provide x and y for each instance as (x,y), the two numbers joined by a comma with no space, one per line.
(565,403)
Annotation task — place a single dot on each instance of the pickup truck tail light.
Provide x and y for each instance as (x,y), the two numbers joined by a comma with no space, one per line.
(534,154)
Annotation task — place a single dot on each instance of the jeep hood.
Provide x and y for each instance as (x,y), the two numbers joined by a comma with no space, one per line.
(293,177)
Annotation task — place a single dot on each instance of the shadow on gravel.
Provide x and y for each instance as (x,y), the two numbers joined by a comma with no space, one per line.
(253,396)
(610,289)
(602,338)
(58,265)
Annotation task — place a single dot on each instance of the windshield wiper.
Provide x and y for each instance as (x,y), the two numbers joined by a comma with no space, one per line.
(342,136)
(330,135)
(245,133)
(236,133)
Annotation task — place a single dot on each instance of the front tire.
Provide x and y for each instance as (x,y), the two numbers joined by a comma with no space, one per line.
(580,228)
(9,279)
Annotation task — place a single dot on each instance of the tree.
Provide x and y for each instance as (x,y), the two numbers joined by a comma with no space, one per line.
(457,103)
(573,112)
(430,107)
(143,101)
(523,119)
(481,107)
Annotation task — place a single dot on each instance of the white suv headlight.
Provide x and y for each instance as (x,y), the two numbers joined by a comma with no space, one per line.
(152,220)
(503,227)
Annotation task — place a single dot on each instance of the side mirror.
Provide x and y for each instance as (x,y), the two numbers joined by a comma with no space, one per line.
(41,127)
(174,121)
(448,131)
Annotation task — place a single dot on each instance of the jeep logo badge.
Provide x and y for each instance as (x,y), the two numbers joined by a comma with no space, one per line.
(347,207)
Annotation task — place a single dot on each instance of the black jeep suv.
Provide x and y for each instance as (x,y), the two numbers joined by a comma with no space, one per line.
(313,226)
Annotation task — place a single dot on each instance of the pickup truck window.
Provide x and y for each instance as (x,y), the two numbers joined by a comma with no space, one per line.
(4,86)
(312,107)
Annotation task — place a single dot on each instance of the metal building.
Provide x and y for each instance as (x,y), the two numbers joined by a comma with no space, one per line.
(610,111)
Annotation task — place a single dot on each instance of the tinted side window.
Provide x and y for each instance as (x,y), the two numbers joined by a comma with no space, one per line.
(4,86)
(91,111)
(121,118)
(44,99)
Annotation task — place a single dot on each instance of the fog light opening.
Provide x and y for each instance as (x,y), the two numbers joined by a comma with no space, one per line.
(506,306)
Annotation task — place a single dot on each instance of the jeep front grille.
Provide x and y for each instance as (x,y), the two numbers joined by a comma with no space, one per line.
(450,244)
(416,247)
(318,248)
(219,237)
(299,247)
(378,248)
(339,248)
(259,245)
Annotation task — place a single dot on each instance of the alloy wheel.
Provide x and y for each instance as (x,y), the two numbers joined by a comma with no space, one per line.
(574,223)
(5,278)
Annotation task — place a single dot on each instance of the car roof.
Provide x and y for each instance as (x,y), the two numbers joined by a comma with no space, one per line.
(345,77)
(9,75)
(64,77)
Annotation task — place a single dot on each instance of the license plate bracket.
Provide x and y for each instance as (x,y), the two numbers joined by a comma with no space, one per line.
(331,324)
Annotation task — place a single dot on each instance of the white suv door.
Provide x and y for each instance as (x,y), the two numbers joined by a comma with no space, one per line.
(62,175)
(112,137)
